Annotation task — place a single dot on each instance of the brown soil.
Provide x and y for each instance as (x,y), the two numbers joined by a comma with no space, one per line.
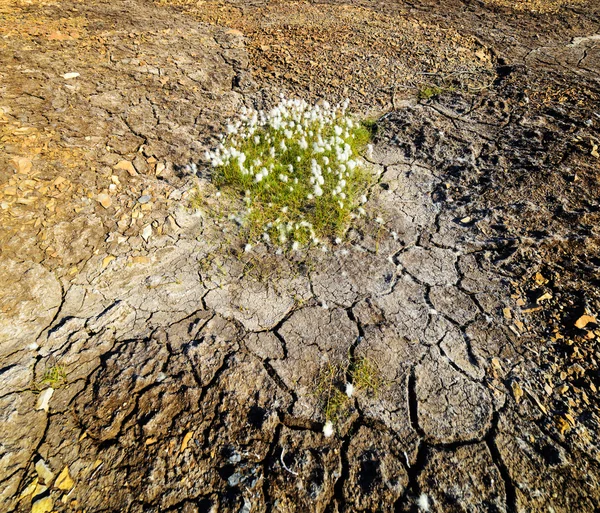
(190,368)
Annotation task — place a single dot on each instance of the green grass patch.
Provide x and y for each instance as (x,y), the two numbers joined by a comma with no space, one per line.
(428,92)
(338,382)
(297,170)
(54,377)
(366,376)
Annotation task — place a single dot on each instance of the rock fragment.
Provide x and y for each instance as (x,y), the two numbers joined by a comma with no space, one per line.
(44,472)
(104,199)
(44,505)
(64,481)
(126,165)
(44,399)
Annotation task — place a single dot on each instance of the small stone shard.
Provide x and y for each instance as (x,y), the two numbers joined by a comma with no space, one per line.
(517,391)
(44,399)
(186,441)
(69,76)
(147,232)
(561,424)
(44,472)
(140,260)
(107,260)
(584,320)
(104,200)
(64,481)
(59,36)
(125,165)
(30,488)
(22,164)
(44,505)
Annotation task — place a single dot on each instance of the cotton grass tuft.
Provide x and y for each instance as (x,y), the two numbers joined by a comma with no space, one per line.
(299,171)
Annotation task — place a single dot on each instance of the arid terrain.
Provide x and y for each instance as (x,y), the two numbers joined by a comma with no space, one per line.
(149,363)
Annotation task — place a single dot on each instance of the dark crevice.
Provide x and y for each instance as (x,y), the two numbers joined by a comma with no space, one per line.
(413,403)
(509,486)
(338,489)
(280,383)
(407,502)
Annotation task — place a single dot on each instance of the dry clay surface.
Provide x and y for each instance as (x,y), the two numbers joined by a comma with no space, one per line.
(189,369)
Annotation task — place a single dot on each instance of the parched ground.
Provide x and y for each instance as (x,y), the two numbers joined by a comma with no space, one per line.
(148,364)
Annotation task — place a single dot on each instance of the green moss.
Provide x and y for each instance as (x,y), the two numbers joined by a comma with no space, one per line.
(331,385)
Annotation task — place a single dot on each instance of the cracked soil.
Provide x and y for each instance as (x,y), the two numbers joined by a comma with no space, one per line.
(187,368)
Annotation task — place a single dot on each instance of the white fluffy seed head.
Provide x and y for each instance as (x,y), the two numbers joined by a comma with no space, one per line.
(323,130)
(328,429)
(349,389)
(423,502)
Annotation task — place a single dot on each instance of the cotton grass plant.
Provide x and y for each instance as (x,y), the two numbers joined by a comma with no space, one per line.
(298,171)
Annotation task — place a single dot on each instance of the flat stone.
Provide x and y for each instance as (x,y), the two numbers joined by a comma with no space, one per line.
(43,401)
(465,477)
(104,199)
(433,266)
(44,472)
(64,480)
(450,407)
(377,476)
(126,165)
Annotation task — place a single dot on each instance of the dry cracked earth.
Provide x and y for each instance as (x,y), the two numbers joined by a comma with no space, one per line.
(148,364)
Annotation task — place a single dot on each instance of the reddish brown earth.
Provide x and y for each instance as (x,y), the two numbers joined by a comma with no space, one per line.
(148,364)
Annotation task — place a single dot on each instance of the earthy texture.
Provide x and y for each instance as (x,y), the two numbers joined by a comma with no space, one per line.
(148,363)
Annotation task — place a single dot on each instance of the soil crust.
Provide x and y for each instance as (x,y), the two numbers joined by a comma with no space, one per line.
(148,363)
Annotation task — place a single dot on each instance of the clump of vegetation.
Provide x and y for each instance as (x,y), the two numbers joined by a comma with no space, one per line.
(298,170)
(428,92)
(338,383)
(334,402)
(366,376)
(54,377)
